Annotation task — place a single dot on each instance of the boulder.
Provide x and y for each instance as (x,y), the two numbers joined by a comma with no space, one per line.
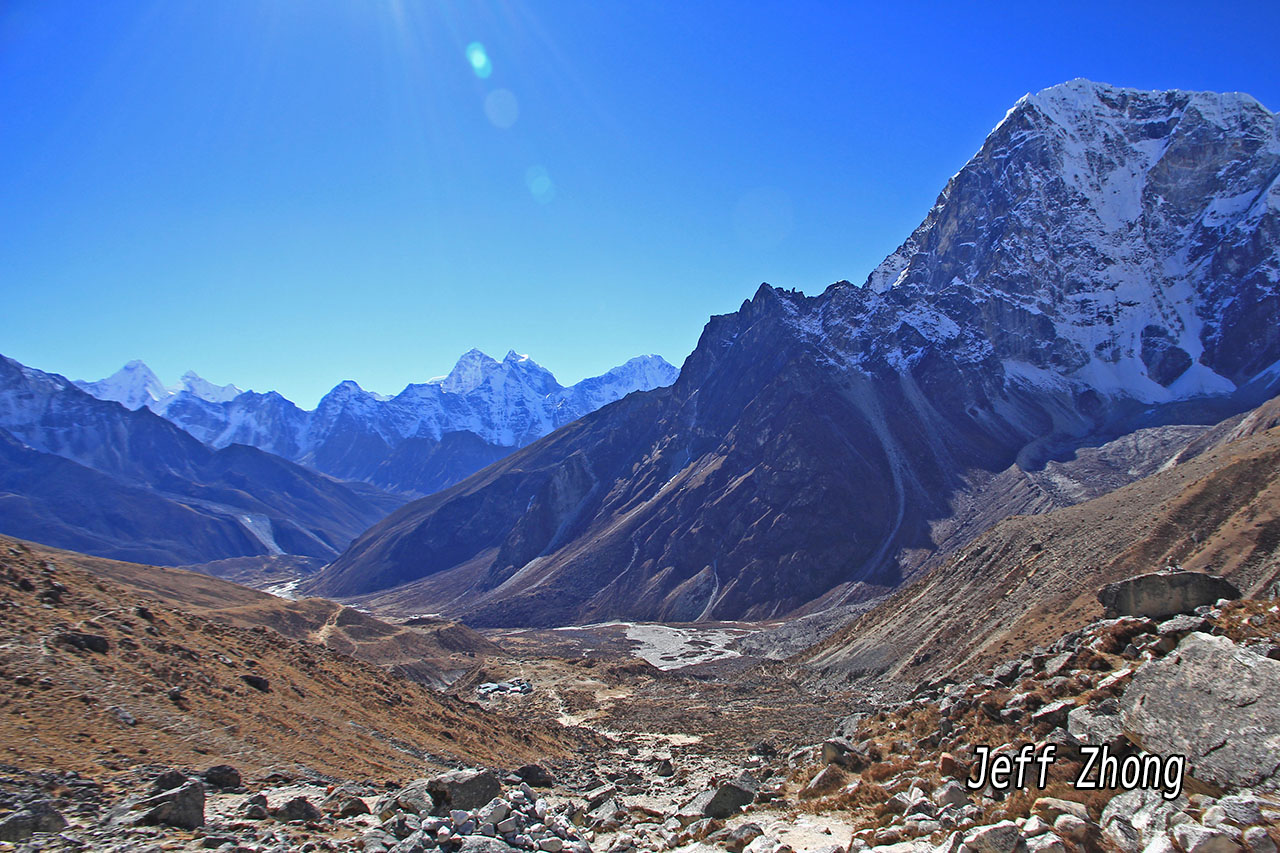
(1099,724)
(345,801)
(222,776)
(182,807)
(1002,837)
(297,810)
(35,817)
(1146,810)
(735,840)
(951,793)
(1194,838)
(83,642)
(484,844)
(1073,827)
(257,682)
(1049,809)
(167,780)
(1046,843)
(1241,809)
(1215,702)
(1053,715)
(828,780)
(1162,594)
(413,798)
(728,798)
(1257,840)
(536,776)
(463,789)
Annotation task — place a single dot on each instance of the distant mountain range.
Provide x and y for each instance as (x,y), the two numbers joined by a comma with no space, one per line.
(1108,262)
(92,475)
(130,469)
(425,438)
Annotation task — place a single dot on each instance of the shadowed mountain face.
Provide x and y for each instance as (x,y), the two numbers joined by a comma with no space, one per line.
(1215,508)
(84,473)
(1107,261)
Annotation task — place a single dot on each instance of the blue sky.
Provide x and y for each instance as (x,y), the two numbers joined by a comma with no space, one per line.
(287,193)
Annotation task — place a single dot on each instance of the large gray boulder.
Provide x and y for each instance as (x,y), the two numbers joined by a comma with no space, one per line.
(1162,594)
(35,817)
(726,799)
(1215,702)
(181,806)
(463,789)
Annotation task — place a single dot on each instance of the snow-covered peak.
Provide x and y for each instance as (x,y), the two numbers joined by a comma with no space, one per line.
(1104,235)
(133,386)
(193,384)
(469,372)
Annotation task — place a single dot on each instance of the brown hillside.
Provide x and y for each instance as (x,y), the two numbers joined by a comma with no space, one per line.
(1032,578)
(160,685)
(431,651)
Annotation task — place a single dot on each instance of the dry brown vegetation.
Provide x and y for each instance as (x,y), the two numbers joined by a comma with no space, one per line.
(174,687)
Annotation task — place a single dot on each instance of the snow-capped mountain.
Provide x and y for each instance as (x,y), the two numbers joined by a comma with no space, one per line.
(83,473)
(1103,239)
(359,435)
(1108,260)
(135,386)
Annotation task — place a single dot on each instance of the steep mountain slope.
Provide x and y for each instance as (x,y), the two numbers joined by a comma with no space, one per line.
(1108,261)
(89,474)
(1031,578)
(155,682)
(429,436)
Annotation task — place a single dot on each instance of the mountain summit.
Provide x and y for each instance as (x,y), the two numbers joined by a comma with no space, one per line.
(427,437)
(1109,258)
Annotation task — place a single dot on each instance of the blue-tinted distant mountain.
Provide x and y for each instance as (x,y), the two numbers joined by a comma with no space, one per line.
(425,438)
(90,474)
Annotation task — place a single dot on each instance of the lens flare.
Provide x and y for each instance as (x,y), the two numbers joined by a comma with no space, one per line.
(539,184)
(501,108)
(479,60)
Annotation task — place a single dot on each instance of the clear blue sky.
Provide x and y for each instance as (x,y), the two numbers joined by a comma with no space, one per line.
(287,193)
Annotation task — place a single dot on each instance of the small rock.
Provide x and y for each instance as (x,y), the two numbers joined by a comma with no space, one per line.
(1257,840)
(1054,714)
(257,682)
(298,809)
(828,780)
(1045,843)
(1049,809)
(1002,837)
(1071,827)
(83,642)
(951,793)
(1035,826)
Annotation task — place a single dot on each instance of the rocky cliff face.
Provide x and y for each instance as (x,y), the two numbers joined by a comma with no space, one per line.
(1108,260)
